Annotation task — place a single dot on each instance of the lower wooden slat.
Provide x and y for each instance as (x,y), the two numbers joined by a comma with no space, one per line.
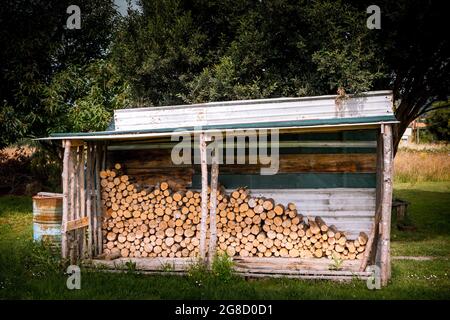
(254,265)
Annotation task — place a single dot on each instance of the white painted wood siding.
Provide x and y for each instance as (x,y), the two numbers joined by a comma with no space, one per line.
(351,210)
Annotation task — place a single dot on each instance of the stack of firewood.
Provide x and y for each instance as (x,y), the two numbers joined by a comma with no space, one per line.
(155,221)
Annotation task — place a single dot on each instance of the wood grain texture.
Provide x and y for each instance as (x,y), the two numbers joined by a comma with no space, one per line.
(66,191)
(76,224)
(297,163)
(386,204)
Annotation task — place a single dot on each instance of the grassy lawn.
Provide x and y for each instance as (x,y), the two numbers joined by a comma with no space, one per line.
(29,271)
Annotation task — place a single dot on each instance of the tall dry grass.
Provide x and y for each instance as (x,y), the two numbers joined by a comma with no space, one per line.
(417,166)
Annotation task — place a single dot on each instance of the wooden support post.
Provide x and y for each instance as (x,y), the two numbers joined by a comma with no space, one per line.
(78,235)
(98,200)
(94,199)
(213,204)
(89,197)
(65,183)
(204,212)
(82,190)
(386,204)
(73,198)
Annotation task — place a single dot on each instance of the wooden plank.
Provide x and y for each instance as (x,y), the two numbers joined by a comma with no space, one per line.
(294,163)
(76,224)
(309,268)
(277,263)
(386,204)
(337,277)
(307,277)
(66,191)
(204,204)
(147,264)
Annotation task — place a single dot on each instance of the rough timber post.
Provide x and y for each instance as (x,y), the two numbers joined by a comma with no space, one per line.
(89,184)
(386,204)
(82,213)
(204,169)
(72,200)
(98,200)
(212,212)
(65,180)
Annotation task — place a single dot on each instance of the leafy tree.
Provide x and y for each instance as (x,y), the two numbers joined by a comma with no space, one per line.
(416,57)
(82,98)
(438,123)
(36,46)
(158,50)
(174,51)
(190,51)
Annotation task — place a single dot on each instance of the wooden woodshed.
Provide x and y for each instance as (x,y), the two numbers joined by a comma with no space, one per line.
(335,162)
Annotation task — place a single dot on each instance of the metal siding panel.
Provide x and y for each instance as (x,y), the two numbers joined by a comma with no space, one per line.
(252,112)
(295,180)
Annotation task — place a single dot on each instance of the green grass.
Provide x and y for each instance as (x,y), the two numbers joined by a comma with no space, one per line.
(29,271)
(429,212)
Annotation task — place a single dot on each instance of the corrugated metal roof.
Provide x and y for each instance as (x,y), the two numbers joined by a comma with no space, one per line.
(283,113)
(250,112)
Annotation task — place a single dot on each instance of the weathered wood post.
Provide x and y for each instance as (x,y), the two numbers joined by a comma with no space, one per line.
(82,190)
(98,200)
(65,183)
(89,178)
(204,169)
(213,203)
(386,204)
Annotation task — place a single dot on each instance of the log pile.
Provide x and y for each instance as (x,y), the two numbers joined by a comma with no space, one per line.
(155,221)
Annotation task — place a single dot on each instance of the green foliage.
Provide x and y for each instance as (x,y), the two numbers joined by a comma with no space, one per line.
(346,56)
(41,260)
(221,271)
(130,267)
(158,50)
(438,122)
(174,52)
(222,268)
(198,272)
(337,263)
(36,46)
(221,82)
(167,267)
(82,98)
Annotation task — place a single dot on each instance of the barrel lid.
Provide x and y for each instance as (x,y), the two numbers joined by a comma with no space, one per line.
(47,195)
